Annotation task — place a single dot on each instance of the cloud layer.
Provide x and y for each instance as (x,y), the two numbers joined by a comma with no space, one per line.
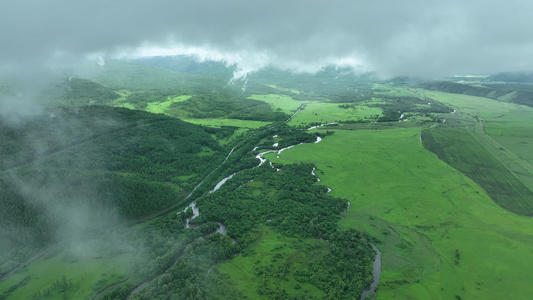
(392,37)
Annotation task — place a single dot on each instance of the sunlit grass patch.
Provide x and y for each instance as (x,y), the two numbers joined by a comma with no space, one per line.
(461,150)
(73,273)
(227,122)
(161,107)
(422,211)
(321,112)
(272,252)
(279,102)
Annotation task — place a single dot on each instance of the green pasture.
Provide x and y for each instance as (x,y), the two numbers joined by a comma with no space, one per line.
(509,127)
(82,273)
(161,107)
(514,130)
(423,212)
(121,101)
(459,148)
(279,102)
(272,252)
(153,107)
(393,90)
(470,104)
(227,122)
(322,112)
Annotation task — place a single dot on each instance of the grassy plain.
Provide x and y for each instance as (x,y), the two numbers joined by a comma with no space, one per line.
(153,107)
(272,251)
(86,273)
(279,101)
(461,149)
(514,130)
(161,107)
(508,123)
(504,129)
(227,122)
(425,215)
(322,112)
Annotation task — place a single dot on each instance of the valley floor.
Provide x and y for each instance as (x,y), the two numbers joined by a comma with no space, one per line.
(440,234)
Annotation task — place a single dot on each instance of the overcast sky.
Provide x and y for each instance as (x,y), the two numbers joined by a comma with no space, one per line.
(421,37)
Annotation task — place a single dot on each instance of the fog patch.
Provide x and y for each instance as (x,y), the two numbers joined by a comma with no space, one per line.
(14,109)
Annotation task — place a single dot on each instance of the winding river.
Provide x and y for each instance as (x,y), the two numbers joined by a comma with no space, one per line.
(376,274)
(221,182)
(223,230)
(316,126)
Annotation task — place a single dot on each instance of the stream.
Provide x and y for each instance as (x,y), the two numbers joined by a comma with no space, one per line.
(316,126)
(260,157)
(299,108)
(222,229)
(195,213)
(286,148)
(221,182)
(376,274)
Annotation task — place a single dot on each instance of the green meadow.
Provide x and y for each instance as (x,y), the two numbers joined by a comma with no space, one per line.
(440,234)
(161,107)
(153,107)
(322,112)
(505,129)
(508,123)
(279,102)
(459,148)
(272,252)
(227,122)
(70,273)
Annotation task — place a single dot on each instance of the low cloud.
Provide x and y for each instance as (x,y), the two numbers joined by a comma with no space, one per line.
(393,38)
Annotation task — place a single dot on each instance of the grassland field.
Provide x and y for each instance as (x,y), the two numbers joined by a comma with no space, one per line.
(320,112)
(508,123)
(461,149)
(250,124)
(86,273)
(423,211)
(279,102)
(161,107)
(505,129)
(153,107)
(272,251)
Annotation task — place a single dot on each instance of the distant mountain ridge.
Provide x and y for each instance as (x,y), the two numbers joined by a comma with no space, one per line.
(518,77)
